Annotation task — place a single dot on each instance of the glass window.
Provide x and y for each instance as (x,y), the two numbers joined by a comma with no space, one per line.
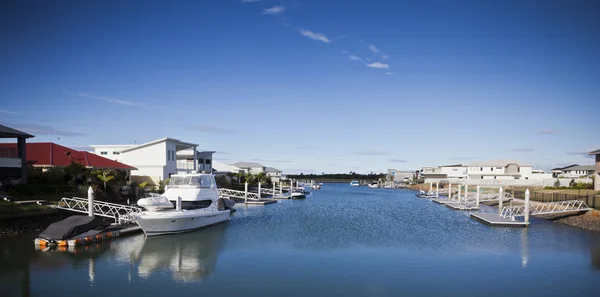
(103,153)
(173,155)
(480,168)
(116,153)
(207,161)
(207,181)
(168,155)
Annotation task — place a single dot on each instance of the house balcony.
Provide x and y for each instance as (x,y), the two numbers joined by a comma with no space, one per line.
(184,166)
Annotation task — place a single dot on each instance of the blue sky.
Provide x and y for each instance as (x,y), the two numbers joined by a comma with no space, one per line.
(310,85)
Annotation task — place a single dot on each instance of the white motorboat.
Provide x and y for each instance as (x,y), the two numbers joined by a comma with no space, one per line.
(373,184)
(354,183)
(190,201)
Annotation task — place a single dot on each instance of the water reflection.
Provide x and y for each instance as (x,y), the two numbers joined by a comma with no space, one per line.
(524,247)
(189,257)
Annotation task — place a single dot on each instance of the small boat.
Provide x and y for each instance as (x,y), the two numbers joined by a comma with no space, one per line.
(354,183)
(298,195)
(190,201)
(423,194)
(373,184)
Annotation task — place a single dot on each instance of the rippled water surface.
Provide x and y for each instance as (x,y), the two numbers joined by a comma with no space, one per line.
(340,241)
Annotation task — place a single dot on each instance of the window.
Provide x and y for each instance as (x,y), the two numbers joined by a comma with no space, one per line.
(103,153)
(173,155)
(494,177)
(207,161)
(492,168)
(116,153)
(518,169)
(480,168)
(168,155)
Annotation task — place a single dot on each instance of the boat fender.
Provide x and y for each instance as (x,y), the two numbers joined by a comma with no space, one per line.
(221,204)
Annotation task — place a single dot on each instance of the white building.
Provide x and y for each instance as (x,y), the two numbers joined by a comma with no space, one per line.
(400,176)
(158,159)
(251,167)
(574,171)
(596,153)
(220,168)
(493,169)
(275,174)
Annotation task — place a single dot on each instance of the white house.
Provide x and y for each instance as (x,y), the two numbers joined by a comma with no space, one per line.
(220,168)
(185,161)
(597,172)
(251,167)
(493,169)
(400,176)
(456,171)
(574,171)
(274,173)
(155,160)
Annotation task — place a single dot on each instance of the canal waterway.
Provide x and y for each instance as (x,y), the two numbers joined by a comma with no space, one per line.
(340,241)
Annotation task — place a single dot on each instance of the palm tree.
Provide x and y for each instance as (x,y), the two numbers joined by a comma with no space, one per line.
(105,177)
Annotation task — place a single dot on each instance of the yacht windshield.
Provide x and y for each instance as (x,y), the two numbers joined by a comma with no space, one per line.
(198,181)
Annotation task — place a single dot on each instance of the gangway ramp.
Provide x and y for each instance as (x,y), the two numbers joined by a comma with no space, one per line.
(560,207)
(122,214)
(247,197)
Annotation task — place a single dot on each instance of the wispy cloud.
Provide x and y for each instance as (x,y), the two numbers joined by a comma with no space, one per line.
(272,161)
(36,130)
(373,153)
(389,73)
(373,49)
(250,1)
(398,160)
(354,58)
(378,65)
(343,52)
(522,150)
(210,129)
(8,111)
(274,10)
(547,131)
(112,100)
(385,57)
(314,35)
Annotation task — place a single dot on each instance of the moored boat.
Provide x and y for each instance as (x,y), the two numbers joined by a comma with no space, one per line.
(191,201)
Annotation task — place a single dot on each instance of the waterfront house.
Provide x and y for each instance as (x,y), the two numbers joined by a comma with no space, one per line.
(494,169)
(48,154)
(155,160)
(454,171)
(400,176)
(13,161)
(185,161)
(251,167)
(573,171)
(275,174)
(220,168)
(597,171)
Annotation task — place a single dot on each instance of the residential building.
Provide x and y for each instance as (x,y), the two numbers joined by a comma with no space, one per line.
(185,161)
(251,167)
(597,172)
(275,174)
(493,169)
(48,154)
(220,168)
(455,171)
(13,161)
(573,171)
(400,176)
(155,160)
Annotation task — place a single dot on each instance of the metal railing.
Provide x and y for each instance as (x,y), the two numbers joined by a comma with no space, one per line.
(122,214)
(545,208)
(238,194)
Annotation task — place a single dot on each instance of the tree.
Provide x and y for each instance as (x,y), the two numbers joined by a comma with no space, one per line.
(572,184)
(557,183)
(105,177)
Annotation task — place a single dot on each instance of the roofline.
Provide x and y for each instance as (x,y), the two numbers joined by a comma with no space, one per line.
(596,152)
(177,141)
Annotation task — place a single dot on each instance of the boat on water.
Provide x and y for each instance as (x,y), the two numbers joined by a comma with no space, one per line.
(191,201)
(428,194)
(354,183)
(373,184)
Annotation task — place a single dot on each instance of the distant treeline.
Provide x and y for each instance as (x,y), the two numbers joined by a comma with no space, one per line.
(338,176)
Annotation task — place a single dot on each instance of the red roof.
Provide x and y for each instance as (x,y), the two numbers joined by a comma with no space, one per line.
(52,154)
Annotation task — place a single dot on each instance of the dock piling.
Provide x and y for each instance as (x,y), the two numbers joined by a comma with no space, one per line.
(437,190)
(527,206)
(477,197)
(178,206)
(449,191)
(259,193)
(466,192)
(246,192)
(500,198)
(90,202)
(459,194)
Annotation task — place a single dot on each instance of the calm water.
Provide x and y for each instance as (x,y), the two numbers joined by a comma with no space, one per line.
(341,241)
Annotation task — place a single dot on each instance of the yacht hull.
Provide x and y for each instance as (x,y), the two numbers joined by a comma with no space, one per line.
(171,222)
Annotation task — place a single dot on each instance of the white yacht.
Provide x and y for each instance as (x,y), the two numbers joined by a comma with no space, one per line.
(354,183)
(190,201)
